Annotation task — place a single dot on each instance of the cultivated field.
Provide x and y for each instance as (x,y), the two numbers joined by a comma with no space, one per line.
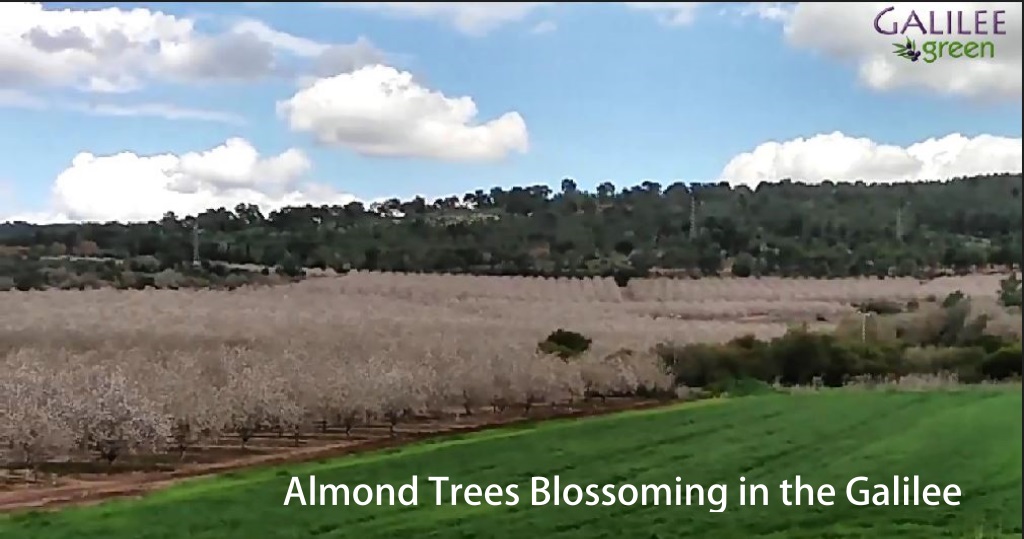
(193,381)
(828,437)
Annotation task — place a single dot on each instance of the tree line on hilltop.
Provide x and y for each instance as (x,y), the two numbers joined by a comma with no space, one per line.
(791,229)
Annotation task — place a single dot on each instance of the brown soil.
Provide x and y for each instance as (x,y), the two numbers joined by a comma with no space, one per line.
(93,487)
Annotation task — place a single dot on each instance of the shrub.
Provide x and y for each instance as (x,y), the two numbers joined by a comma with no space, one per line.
(622,278)
(874,359)
(707,365)
(743,265)
(28,280)
(291,269)
(800,355)
(965,362)
(235,280)
(144,264)
(1010,291)
(1003,363)
(698,364)
(952,299)
(742,387)
(880,306)
(167,278)
(6,283)
(565,344)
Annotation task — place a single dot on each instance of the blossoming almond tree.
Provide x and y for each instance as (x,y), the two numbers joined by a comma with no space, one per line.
(32,423)
(117,416)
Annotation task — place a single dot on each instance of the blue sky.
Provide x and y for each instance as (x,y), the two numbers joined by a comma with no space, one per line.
(599,92)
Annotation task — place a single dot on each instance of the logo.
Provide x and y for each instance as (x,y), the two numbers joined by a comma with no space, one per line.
(907,50)
(965,34)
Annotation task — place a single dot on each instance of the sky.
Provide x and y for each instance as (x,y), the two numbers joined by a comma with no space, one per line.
(115,111)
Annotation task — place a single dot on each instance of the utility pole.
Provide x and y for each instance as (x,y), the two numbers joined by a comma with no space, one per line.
(864,327)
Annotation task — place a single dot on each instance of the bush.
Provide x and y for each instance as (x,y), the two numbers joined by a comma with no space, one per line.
(708,365)
(168,278)
(291,269)
(800,355)
(875,359)
(1003,363)
(880,306)
(235,280)
(957,338)
(565,344)
(144,264)
(6,283)
(742,387)
(965,362)
(1010,291)
(952,299)
(622,278)
(743,265)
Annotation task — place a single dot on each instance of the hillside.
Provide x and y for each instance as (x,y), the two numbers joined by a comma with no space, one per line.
(823,437)
(782,229)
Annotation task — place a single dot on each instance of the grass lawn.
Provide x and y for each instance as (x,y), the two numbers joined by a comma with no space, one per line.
(970,438)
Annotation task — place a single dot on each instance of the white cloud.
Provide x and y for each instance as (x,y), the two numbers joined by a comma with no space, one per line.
(544,27)
(846,31)
(282,40)
(114,50)
(380,111)
(670,13)
(157,110)
(131,187)
(838,157)
(19,99)
(472,18)
(772,11)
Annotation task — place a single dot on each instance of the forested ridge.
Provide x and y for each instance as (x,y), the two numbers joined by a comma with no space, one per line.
(785,228)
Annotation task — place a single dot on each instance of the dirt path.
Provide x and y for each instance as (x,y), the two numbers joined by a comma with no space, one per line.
(79,491)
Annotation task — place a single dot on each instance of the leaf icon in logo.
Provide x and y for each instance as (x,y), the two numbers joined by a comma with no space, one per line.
(907,50)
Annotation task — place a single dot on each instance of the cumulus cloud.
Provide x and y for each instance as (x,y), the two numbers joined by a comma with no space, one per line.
(472,18)
(131,187)
(380,111)
(670,13)
(838,157)
(347,58)
(117,50)
(846,31)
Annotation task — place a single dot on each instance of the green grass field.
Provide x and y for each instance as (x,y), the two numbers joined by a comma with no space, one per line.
(970,438)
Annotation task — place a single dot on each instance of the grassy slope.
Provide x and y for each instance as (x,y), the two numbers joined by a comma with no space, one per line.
(969,438)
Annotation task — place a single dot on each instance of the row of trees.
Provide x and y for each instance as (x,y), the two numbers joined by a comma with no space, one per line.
(137,273)
(77,405)
(785,228)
